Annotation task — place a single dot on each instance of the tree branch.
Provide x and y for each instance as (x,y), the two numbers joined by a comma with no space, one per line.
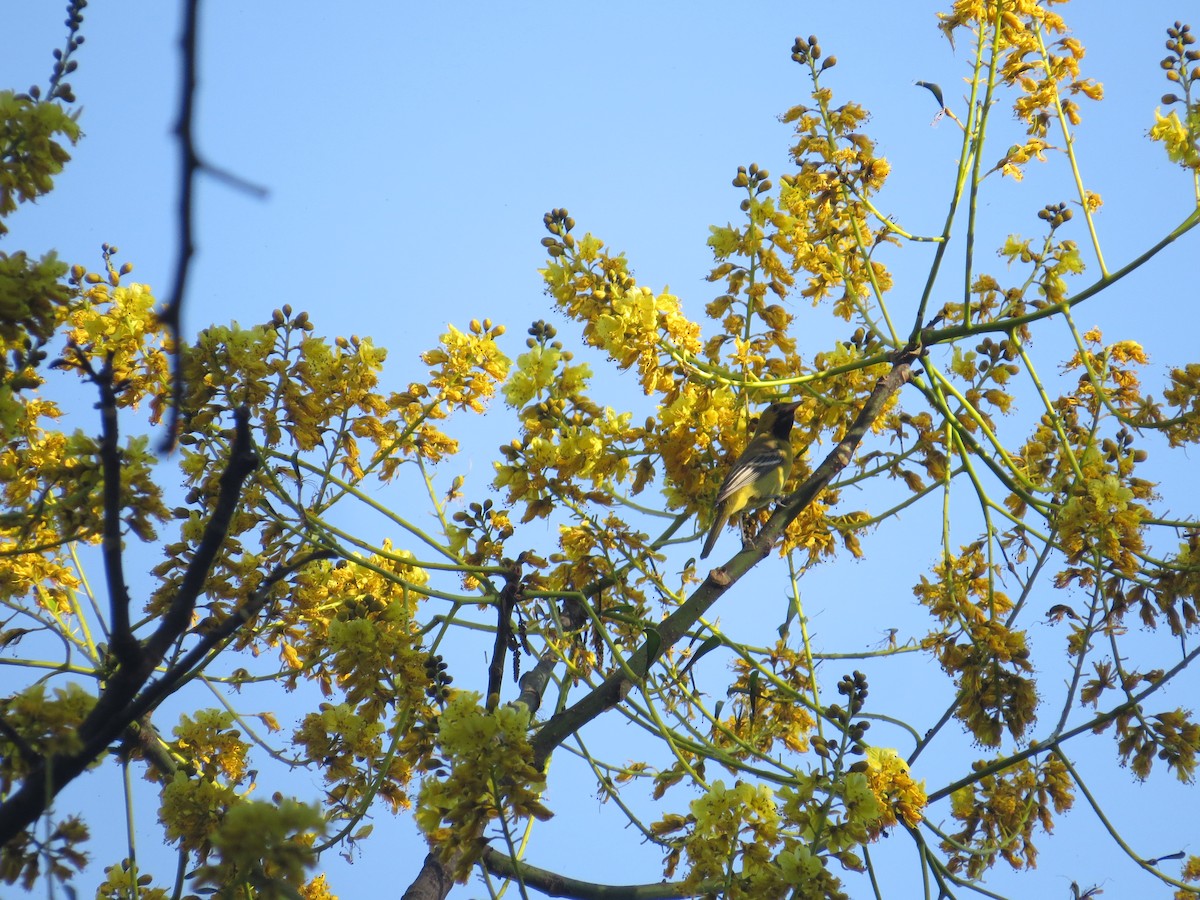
(535,681)
(504,633)
(555,885)
(124,645)
(116,707)
(189,165)
(432,883)
(242,461)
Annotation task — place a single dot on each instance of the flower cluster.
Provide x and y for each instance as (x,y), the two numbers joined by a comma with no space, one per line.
(1000,811)
(735,826)
(988,660)
(487,777)
(901,799)
(1045,74)
(765,715)
(265,846)
(1179,130)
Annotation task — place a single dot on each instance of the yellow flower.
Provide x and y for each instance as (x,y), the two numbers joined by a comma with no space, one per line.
(901,798)
(1179,140)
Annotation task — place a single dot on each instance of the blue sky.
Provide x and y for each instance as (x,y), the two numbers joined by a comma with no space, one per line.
(410,152)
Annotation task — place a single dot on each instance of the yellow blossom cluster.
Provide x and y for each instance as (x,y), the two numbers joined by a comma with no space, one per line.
(116,321)
(31,131)
(736,826)
(901,799)
(34,302)
(317,889)
(1174,590)
(124,880)
(825,221)
(338,737)
(1184,395)
(1000,811)
(1170,736)
(192,810)
(569,448)
(1045,73)
(43,719)
(751,841)
(1191,872)
(1179,130)
(1051,264)
(465,370)
(1108,373)
(264,845)
(488,777)
(1180,139)
(635,327)
(765,715)
(210,743)
(51,480)
(353,629)
(1100,517)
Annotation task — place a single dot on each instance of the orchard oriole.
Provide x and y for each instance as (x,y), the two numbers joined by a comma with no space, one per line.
(760,472)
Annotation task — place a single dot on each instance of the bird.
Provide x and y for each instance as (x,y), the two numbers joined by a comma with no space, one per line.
(760,472)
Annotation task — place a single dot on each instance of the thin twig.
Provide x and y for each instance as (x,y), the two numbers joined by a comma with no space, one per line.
(189,165)
(116,707)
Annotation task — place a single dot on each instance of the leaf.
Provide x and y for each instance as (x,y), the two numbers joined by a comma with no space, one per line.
(711,644)
(935,90)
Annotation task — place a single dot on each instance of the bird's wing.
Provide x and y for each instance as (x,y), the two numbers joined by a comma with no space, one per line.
(748,470)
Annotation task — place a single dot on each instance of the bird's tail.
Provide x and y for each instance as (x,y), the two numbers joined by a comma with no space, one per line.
(710,541)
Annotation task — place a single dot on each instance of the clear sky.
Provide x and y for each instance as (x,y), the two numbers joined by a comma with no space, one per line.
(410,151)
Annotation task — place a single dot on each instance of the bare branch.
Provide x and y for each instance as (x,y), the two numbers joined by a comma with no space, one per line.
(432,883)
(504,632)
(189,165)
(124,644)
(555,885)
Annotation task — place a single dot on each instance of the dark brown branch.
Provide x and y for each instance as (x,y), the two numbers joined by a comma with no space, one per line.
(189,164)
(124,644)
(242,461)
(504,634)
(432,883)
(555,885)
(671,629)
(116,707)
(159,690)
